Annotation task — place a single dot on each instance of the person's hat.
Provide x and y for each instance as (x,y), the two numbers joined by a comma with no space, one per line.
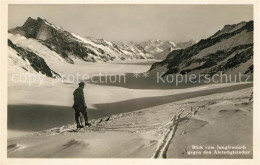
(81,83)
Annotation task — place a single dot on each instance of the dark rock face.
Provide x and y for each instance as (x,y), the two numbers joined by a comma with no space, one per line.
(250,69)
(36,62)
(222,59)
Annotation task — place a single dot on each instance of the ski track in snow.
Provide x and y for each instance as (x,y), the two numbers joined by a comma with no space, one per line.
(161,151)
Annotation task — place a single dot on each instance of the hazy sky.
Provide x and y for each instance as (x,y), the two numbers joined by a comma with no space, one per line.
(135,22)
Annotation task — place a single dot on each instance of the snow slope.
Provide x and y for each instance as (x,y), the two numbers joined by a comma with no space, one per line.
(51,57)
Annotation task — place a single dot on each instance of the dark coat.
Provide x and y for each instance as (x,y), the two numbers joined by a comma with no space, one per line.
(79,99)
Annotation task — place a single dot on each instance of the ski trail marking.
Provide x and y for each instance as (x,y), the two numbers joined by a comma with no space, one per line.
(161,151)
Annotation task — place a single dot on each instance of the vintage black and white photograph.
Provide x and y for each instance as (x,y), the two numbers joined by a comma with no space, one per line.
(160,81)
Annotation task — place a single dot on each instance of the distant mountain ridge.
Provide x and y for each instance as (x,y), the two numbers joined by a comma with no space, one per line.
(157,46)
(184,45)
(229,50)
(160,49)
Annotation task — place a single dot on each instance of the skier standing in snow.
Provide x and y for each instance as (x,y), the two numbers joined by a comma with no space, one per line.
(80,106)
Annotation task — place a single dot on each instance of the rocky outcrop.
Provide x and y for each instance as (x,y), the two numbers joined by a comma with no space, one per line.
(36,62)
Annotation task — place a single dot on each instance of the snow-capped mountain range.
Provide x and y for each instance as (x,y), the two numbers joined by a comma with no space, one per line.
(160,49)
(157,46)
(53,44)
(229,50)
(48,44)
(72,46)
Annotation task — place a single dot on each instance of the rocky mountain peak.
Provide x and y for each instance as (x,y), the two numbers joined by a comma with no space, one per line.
(29,22)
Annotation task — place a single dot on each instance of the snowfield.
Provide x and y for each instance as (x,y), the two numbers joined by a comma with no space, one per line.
(163,131)
(127,122)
